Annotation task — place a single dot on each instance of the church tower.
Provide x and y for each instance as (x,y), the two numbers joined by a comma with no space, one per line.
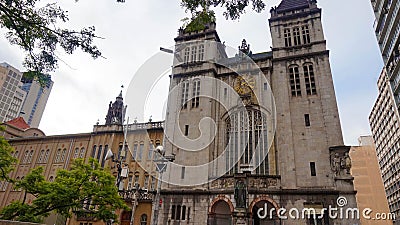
(116,111)
(255,130)
(308,119)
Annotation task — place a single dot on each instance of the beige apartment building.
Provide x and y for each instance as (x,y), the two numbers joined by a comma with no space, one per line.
(368,183)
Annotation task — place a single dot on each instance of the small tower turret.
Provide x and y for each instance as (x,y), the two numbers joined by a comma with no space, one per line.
(116,111)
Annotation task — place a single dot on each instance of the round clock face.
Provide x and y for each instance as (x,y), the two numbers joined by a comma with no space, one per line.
(244,85)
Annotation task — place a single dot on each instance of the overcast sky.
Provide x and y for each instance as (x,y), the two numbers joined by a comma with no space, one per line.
(134,31)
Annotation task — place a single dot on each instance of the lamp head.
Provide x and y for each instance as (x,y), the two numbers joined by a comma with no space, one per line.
(160,149)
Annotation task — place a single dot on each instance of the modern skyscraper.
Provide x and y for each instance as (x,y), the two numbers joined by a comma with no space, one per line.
(21,96)
(36,100)
(11,95)
(384,118)
(387,29)
(221,120)
(384,122)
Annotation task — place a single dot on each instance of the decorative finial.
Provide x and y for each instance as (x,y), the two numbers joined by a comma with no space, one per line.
(150,119)
(98,122)
(245,48)
(135,120)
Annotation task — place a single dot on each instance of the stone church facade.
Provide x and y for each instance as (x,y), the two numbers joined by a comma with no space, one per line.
(256,130)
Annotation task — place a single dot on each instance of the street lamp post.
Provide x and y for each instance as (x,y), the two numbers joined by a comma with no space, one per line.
(134,194)
(161,165)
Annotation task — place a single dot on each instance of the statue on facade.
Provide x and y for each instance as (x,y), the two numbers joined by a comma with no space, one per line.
(240,194)
(341,163)
(346,163)
(335,163)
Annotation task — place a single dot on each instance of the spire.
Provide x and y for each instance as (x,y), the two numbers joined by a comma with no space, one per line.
(116,111)
(120,95)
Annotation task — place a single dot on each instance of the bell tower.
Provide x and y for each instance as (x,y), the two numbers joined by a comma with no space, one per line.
(307,115)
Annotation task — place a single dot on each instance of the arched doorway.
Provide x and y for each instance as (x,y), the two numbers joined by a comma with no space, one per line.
(271,218)
(220,214)
(126,217)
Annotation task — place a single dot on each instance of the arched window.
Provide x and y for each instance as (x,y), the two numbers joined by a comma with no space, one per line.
(201,52)
(247,141)
(306,34)
(294,78)
(196,93)
(94,151)
(186,55)
(185,93)
(140,151)
(51,178)
(63,155)
(143,219)
(103,160)
(194,54)
(135,148)
(296,36)
(16,154)
(58,156)
(309,79)
(288,37)
(41,157)
(30,156)
(99,152)
(46,157)
(26,156)
(136,183)
(76,153)
(82,155)
(151,150)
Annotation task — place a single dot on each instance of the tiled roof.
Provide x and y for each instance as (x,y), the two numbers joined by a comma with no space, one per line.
(19,123)
(288,5)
